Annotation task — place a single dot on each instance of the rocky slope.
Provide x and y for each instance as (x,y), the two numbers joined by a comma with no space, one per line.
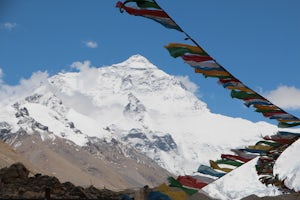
(101,164)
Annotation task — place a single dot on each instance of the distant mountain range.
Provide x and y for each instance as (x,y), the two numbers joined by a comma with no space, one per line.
(120,126)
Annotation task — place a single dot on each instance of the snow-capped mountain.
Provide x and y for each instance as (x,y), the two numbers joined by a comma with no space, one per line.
(137,105)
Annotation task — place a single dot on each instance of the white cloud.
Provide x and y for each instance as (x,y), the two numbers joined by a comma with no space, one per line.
(81,66)
(190,86)
(88,74)
(91,44)
(11,93)
(8,26)
(286,97)
(8,93)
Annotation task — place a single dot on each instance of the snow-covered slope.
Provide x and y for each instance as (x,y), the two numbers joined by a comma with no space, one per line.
(244,180)
(137,104)
(288,166)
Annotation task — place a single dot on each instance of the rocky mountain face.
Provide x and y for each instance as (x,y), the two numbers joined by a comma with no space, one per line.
(125,125)
(98,163)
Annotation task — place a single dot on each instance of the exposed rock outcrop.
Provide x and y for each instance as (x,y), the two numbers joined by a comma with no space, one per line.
(15,183)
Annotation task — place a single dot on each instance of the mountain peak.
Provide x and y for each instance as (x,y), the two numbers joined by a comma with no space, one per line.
(137,62)
(138,59)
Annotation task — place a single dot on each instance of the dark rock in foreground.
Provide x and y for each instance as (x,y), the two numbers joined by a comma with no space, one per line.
(15,184)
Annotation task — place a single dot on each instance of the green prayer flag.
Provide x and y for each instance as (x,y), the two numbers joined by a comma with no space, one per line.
(174,183)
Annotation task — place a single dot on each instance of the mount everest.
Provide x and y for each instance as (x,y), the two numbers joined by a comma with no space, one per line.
(145,115)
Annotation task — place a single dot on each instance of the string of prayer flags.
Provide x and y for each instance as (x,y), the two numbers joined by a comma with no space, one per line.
(198,58)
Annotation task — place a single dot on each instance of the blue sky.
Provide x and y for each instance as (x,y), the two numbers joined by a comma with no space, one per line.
(257,41)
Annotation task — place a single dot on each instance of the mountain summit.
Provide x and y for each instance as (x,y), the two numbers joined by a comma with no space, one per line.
(137,62)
